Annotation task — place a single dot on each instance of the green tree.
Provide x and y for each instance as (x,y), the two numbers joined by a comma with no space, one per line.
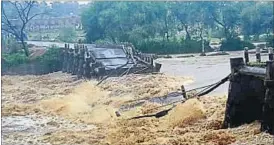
(226,15)
(257,18)
(22,11)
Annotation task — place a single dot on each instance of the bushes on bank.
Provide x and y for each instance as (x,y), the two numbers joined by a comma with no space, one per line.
(171,47)
(14,59)
(179,46)
(235,44)
(51,60)
(67,35)
(190,46)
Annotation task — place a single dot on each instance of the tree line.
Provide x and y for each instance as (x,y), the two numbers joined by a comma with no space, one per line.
(177,27)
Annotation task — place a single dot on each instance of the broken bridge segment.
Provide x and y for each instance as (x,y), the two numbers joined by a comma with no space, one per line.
(106,60)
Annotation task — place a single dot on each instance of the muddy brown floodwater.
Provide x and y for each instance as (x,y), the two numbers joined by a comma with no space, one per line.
(58,109)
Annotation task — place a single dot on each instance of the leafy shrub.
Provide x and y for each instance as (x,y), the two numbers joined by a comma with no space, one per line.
(67,35)
(235,44)
(14,59)
(52,58)
(50,61)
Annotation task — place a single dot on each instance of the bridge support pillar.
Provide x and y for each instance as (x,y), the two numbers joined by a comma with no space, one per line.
(245,97)
(268,107)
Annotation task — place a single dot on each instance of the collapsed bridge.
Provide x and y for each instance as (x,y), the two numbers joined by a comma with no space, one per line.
(95,61)
(251,89)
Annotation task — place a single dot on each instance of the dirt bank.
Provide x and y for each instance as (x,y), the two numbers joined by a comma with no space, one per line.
(59,109)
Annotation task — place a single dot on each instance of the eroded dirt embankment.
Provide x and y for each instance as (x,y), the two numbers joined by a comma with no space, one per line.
(57,109)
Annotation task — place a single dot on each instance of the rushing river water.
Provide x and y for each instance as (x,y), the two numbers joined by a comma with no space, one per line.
(43,128)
